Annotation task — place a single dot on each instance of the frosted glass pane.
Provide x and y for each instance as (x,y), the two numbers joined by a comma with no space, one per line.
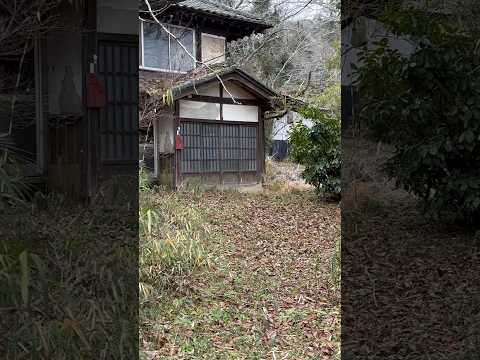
(213,49)
(240,113)
(199,110)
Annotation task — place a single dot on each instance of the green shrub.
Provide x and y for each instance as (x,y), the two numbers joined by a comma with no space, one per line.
(428,107)
(318,149)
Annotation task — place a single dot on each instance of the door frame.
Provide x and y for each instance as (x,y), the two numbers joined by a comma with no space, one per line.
(116,39)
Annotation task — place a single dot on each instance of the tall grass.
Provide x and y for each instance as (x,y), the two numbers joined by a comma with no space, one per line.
(174,243)
(68,285)
(173,240)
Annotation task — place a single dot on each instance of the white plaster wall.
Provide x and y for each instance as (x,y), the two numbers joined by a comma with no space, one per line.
(209,90)
(165,136)
(117,16)
(213,89)
(237,91)
(281,127)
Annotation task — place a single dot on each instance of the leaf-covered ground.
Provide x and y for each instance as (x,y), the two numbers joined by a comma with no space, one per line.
(410,283)
(270,294)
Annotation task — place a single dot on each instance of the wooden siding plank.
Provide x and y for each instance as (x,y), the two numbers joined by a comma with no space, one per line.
(222,100)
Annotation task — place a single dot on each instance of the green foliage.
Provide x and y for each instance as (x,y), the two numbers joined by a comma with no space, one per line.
(198,319)
(318,149)
(428,107)
(330,99)
(167,97)
(300,142)
(334,62)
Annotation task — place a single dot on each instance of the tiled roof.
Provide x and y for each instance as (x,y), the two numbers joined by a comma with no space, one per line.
(196,77)
(155,85)
(212,7)
(215,8)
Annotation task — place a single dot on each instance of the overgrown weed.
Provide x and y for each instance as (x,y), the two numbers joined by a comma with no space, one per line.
(173,237)
(174,243)
(67,285)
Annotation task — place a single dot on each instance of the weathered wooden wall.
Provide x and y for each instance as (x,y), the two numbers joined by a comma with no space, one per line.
(64,161)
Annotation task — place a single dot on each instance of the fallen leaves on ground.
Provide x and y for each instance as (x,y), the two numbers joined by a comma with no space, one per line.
(410,283)
(270,294)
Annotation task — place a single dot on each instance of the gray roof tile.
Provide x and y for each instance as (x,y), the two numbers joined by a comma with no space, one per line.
(215,8)
(211,7)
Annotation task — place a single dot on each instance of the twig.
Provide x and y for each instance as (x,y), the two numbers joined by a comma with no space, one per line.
(287,61)
(298,12)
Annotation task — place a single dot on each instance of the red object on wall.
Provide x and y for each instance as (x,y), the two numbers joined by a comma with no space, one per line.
(178,142)
(95,92)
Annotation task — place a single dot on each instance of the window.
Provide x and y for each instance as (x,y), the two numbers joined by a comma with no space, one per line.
(222,147)
(160,51)
(240,113)
(199,110)
(211,111)
(219,147)
(213,49)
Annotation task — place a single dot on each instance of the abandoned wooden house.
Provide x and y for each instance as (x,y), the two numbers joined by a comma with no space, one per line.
(74,116)
(211,129)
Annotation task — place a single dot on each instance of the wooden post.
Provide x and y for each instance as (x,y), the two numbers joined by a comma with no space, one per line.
(176,158)
(88,148)
(41,111)
(220,142)
(156,160)
(261,144)
(198,43)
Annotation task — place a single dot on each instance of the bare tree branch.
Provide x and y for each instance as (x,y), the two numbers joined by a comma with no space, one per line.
(186,50)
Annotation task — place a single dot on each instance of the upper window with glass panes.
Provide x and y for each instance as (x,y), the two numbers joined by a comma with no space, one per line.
(159,50)
(213,48)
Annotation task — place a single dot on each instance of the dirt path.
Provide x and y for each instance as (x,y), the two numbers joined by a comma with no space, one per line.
(270,294)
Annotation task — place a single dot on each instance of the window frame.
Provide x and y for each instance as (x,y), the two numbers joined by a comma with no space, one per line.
(181,102)
(142,49)
(212,61)
(221,111)
(240,121)
(224,47)
(221,148)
